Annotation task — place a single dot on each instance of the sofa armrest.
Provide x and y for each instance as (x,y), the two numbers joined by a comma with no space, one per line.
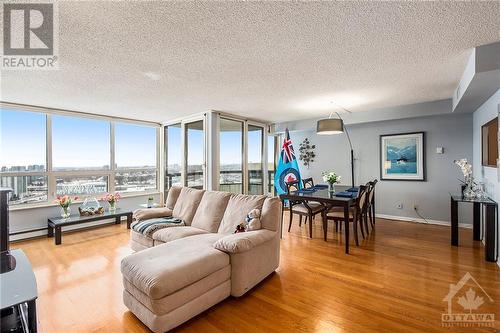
(151,213)
(244,241)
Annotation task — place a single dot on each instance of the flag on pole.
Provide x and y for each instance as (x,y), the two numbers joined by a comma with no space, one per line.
(288,168)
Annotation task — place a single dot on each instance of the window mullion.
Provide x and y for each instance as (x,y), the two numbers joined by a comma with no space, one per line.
(112,167)
(51,181)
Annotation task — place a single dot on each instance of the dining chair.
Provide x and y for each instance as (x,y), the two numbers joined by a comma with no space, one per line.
(355,214)
(371,202)
(308,183)
(307,209)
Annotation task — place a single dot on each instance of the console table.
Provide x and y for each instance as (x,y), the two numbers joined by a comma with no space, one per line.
(490,228)
(54,224)
(18,296)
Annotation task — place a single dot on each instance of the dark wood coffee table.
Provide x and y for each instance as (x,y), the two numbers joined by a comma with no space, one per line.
(54,224)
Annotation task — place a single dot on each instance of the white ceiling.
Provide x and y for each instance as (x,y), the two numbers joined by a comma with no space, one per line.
(274,61)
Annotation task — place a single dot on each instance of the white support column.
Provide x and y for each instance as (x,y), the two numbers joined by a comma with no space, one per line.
(212,151)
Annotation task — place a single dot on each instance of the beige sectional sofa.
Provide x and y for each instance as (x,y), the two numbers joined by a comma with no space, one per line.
(178,272)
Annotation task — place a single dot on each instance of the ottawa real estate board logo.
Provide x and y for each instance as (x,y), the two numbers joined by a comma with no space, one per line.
(464,302)
(30,36)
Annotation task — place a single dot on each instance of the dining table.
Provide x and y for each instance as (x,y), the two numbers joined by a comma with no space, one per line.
(330,199)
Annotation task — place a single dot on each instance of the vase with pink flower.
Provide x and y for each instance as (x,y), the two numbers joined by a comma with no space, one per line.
(65,202)
(112,199)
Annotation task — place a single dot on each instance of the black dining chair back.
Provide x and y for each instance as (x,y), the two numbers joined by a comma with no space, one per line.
(292,186)
(371,202)
(308,182)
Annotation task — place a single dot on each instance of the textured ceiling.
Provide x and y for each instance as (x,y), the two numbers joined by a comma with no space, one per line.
(269,60)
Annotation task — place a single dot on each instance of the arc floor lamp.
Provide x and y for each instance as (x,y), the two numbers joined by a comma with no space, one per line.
(332,126)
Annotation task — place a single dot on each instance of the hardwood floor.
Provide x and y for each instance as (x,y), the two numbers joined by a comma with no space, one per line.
(394,282)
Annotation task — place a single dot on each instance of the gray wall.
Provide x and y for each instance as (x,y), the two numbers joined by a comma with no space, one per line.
(451,131)
(486,112)
(34,218)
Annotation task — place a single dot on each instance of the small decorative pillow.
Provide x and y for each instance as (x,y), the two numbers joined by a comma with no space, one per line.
(252,221)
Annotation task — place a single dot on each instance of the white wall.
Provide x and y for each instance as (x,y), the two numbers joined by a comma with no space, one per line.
(36,218)
(451,131)
(488,175)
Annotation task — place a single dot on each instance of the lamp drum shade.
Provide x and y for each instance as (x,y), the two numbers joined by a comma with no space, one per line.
(330,126)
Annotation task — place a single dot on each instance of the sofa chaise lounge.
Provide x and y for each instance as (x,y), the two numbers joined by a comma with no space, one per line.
(179,272)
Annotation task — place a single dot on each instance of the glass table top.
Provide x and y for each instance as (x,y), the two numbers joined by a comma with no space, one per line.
(322,193)
(76,217)
(18,285)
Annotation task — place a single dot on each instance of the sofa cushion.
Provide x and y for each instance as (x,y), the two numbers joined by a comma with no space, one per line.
(243,241)
(172,196)
(187,203)
(163,270)
(136,237)
(271,214)
(238,207)
(210,211)
(170,234)
(151,213)
(173,301)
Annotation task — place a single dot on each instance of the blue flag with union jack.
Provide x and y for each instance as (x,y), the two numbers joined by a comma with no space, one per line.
(288,168)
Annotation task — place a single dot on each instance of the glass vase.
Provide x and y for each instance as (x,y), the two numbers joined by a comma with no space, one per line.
(65,212)
(469,190)
(112,206)
(331,187)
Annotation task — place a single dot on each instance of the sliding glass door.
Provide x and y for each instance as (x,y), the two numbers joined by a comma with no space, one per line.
(173,154)
(195,154)
(255,167)
(271,162)
(231,155)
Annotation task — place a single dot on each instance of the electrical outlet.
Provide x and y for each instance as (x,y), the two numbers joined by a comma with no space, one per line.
(399,205)
(415,206)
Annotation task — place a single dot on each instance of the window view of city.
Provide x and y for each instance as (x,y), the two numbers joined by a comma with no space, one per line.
(173,137)
(231,155)
(26,189)
(231,134)
(80,156)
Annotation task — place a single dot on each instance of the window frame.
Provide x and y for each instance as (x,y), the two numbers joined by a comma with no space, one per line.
(485,142)
(52,175)
(243,156)
(263,155)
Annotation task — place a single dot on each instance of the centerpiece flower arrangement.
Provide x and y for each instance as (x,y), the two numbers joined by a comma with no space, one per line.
(331,178)
(112,199)
(469,191)
(65,202)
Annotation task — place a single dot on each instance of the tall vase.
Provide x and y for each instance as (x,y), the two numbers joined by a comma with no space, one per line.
(112,206)
(331,187)
(65,212)
(469,190)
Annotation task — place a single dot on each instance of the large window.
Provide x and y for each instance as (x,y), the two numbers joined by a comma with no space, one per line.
(255,165)
(74,157)
(173,153)
(135,158)
(81,185)
(80,144)
(195,155)
(231,155)
(23,155)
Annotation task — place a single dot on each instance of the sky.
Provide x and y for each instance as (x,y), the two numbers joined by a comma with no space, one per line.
(83,142)
(230,146)
(76,142)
